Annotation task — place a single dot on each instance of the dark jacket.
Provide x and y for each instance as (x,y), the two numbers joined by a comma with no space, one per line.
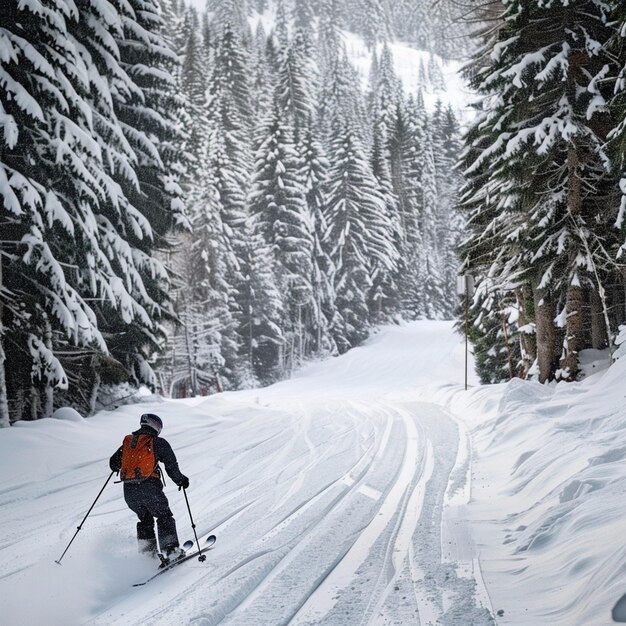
(164,454)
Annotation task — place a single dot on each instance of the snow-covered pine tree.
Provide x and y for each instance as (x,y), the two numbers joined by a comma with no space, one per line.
(230,78)
(399,145)
(74,165)
(435,74)
(372,78)
(329,38)
(296,86)
(173,16)
(359,232)
(281,28)
(263,83)
(190,23)
(373,22)
(407,164)
(387,103)
(422,78)
(314,172)
(233,13)
(206,262)
(428,207)
(208,269)
(493,332)
(543,137)
(450,222)
(33,111)
(263,314)
(385,297)
(341,98)
(400,13)
(304,23)
(207,34)
(483,253)
(152,124)
(194,75)
(618,135)
(386,92)
(229,114)
(280,214)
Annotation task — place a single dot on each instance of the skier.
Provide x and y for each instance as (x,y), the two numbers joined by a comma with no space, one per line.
(137,462)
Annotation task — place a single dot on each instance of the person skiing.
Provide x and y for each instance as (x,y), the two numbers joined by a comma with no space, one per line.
(137,462)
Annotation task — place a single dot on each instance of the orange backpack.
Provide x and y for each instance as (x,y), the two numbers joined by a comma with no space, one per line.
(138,458)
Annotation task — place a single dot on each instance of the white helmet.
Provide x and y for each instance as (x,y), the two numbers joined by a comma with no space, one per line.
(152,421)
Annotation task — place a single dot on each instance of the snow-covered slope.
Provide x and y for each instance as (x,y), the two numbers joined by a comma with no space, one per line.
(407,63)
(325,492)
(368,489)
(449,87)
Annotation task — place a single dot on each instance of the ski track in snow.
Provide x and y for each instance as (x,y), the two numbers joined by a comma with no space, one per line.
(332,496)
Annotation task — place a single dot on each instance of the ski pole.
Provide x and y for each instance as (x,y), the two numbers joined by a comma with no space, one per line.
(84,518)
(201,557)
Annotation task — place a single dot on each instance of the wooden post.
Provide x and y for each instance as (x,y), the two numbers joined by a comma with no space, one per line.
(465,287)
(466,329)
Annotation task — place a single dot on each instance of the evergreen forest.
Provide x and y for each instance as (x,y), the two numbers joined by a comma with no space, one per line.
(544,195)
(202,200)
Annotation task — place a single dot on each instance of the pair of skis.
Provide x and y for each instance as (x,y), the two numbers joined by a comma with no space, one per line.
(208,543)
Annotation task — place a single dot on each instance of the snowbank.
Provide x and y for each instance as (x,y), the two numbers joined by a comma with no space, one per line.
(67,414)
(547,506)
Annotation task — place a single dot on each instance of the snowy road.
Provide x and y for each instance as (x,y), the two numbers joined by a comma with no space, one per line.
(337,498)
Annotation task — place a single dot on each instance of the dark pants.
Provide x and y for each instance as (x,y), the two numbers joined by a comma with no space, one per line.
(148,501)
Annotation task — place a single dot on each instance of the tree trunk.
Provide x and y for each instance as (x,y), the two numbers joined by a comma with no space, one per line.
(4,402)
(528,341)
(507,347)
(95,388)
(544,318)
(190,366)
(599,339)
(5,420)
(35,401)
(573,333)
(575,297)
(48,400)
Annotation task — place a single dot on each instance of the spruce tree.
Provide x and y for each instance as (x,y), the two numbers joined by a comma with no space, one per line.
(263,314)
(358,232)
(384,296)
(544,160)
(373,22)
(156,113)
(295,95)
(282,24)
(97,170)
(330,40)
(280,214)
(618,105)
(229,13)
(313,173)
(304,23)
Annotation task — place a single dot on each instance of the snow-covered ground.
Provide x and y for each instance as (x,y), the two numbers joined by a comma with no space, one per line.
(548,478)
(369,489)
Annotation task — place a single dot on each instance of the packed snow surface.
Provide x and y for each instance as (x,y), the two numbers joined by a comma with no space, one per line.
(369,489)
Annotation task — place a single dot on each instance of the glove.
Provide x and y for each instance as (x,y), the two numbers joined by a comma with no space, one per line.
(184,483)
